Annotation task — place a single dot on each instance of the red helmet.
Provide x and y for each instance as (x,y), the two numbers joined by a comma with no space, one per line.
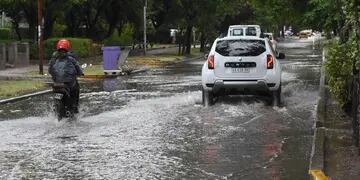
(63,44)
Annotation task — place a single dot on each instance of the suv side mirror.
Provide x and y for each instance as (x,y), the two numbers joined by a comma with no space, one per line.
(281,56)
(206,56)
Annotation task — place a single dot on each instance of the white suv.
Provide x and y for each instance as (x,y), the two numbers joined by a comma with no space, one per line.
(241,65)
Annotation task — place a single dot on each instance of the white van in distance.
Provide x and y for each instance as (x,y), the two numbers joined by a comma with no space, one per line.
(244,30)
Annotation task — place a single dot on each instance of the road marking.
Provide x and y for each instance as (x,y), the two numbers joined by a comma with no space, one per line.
(318,175)
(251,120)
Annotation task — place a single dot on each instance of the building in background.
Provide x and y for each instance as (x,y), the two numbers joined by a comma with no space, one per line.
(4,21)
(173,33)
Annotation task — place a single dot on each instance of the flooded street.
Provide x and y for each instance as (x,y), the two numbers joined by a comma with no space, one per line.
(153,126)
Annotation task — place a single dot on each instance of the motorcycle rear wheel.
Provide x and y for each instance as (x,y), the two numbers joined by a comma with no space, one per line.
(59,109)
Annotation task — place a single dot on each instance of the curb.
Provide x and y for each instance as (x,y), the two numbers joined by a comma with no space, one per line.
(139,71)
(317,158)
(188,59)
(318,175)
(10,100)
(9,78)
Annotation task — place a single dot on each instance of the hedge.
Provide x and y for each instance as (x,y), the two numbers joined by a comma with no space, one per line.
(5,33)
(339,69)
(80,46)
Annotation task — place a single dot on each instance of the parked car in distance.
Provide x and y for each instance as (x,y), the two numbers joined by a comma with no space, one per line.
(288,33)
(305,34)
(241,65)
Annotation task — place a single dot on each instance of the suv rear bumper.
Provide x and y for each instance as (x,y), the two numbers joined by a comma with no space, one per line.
(241,86)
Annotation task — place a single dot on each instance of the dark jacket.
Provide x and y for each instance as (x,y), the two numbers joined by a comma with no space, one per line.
(64,68)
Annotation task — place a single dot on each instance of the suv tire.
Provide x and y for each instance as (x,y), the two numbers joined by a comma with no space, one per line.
(277,97)
(207,98)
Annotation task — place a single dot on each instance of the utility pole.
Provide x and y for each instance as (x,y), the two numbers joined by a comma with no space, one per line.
(145,26)
(40,38)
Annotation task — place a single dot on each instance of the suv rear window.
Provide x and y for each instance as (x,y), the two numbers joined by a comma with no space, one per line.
(240,47)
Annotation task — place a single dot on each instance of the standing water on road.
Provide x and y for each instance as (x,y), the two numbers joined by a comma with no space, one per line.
(153,126)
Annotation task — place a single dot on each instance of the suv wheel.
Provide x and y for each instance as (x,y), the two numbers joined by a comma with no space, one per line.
(277,97)
(207,97)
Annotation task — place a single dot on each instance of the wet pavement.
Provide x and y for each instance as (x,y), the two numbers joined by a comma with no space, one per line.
(153,126)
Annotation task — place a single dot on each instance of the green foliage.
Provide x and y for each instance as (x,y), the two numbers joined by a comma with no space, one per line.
(58,30)
(339,69)
(81,47)
(5,33)
(126,38)
(323,14)
(272,15)
(34,53)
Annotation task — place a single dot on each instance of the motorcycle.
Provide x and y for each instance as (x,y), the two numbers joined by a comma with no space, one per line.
(62,101)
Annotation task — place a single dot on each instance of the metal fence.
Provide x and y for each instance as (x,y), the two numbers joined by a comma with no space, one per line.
(19,54)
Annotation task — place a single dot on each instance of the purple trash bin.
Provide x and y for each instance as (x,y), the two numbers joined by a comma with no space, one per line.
(110,57)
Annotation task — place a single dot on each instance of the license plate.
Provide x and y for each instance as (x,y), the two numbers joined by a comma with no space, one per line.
(58,96)
(240,70)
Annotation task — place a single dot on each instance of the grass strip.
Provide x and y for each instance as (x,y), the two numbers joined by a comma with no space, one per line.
(10,88)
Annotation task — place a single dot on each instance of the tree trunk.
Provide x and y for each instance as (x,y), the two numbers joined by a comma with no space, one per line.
(202,42)
(183,48)
(188,39)
(17,30)
(180,40)
(179,52)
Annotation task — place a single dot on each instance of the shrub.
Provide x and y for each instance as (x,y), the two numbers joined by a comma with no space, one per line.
(113,40)
(34,53)
(95,49)
(339,70)
(126,37)
(80,46)
(5,33)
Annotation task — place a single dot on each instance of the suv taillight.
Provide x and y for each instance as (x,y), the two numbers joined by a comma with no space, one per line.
(270,61)
(211,62)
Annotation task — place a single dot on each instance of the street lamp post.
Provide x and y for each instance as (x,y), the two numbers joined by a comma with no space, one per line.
(145,26)
(40,38)
(3,19)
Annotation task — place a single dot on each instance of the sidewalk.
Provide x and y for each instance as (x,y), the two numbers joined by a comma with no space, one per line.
(334,151)
(341,156)
(23,73)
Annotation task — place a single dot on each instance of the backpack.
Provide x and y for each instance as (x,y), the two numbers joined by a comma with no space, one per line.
(64,70)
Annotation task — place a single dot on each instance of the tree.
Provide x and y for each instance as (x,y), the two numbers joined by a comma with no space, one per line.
(273,15)
(332,18)
(12,9)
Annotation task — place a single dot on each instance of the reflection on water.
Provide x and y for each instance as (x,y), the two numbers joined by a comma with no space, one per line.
(110,84)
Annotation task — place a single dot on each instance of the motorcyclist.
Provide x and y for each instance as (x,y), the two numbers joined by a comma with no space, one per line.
(64,68)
